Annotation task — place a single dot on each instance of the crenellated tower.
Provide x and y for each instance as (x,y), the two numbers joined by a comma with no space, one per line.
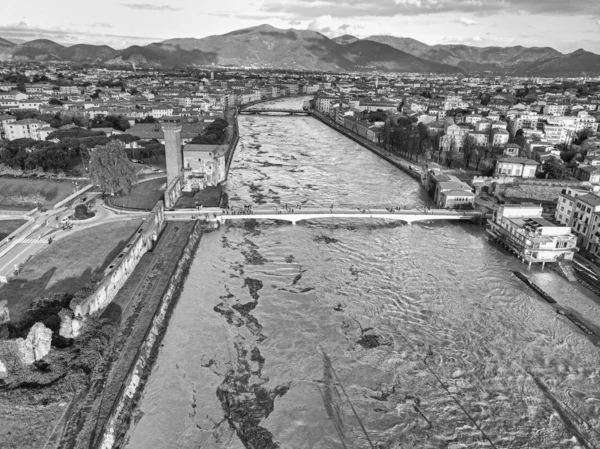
(171,127)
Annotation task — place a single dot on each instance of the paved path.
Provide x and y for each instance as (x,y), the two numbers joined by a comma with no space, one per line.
(45,225)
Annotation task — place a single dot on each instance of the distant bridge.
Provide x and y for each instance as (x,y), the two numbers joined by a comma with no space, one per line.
(287,111)
(407,216)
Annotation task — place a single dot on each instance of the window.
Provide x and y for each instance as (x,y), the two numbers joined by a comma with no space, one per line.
(561,244)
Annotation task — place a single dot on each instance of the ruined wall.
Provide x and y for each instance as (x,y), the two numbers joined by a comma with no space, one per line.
(172,193)
(120,268)
(119,418)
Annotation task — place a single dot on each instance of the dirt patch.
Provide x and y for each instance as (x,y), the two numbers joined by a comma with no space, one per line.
(252,256)
(369,341)
(245,404)
(542,193)
(325,239)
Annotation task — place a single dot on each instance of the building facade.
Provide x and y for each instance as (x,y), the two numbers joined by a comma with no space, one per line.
(532,238)
(24,129)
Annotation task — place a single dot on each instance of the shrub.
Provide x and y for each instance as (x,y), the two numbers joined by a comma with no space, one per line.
(81,212)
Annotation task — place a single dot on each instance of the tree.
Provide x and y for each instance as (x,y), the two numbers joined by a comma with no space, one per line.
(553,168)
(376,116)
(147,119)
(451,152)
(479,155)
(469,148)
(110,168)
(520,139)
(582,135)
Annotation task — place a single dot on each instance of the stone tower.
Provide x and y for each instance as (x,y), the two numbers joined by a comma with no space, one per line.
(171,127)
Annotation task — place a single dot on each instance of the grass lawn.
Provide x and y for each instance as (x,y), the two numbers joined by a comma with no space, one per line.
(9,226)
(24,193)
(66,265)
(27,425)
(143,196)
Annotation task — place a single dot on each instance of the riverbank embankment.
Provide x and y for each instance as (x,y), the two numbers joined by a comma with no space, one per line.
(111,429)
(412,169)
(574,318)
(135,315)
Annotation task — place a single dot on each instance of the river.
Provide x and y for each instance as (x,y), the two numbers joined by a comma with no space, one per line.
(362,334)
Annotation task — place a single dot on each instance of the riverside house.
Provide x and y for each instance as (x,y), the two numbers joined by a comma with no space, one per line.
(532,238)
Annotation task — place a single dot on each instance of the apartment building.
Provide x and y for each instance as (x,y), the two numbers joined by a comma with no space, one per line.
(565,204)
(532,238)
(325,104)
(580,210)
(24,129)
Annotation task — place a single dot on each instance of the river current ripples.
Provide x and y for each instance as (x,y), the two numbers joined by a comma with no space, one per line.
(362,334)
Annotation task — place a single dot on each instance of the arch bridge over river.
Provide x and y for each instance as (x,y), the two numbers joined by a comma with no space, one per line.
(407,216)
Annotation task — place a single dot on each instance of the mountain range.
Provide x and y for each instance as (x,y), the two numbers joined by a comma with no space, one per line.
(265,46)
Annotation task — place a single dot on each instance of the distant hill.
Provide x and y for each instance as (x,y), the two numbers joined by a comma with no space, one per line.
(406,44)
(578,63)
(373,55)
(265,46)
(508,60)
(345,39)
(5,43)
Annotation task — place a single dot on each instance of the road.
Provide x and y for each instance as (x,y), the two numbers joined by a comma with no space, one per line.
(46,225)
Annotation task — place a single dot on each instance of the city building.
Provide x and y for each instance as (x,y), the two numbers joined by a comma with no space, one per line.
(204,165)
(580,209)
(325,104)
(519,167)
(24,129)
(532,238)
(566,201)
(589,173)
(499,137)
(511,149)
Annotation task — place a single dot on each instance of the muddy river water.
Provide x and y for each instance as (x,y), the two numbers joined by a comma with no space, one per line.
(362,334)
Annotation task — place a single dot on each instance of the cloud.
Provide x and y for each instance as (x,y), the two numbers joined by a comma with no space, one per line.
(466,22)
(308,9)
(477,41)
(149,7)
(101,25)
(320,23)
(330,27)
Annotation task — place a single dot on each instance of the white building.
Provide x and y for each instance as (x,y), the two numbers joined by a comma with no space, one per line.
(532,238)
(519,167)
(24,129)
(325,104)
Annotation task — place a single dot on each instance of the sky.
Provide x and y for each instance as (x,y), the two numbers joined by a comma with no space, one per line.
(566,25)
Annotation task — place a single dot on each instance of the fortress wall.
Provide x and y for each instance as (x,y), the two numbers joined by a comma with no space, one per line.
(84,304)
